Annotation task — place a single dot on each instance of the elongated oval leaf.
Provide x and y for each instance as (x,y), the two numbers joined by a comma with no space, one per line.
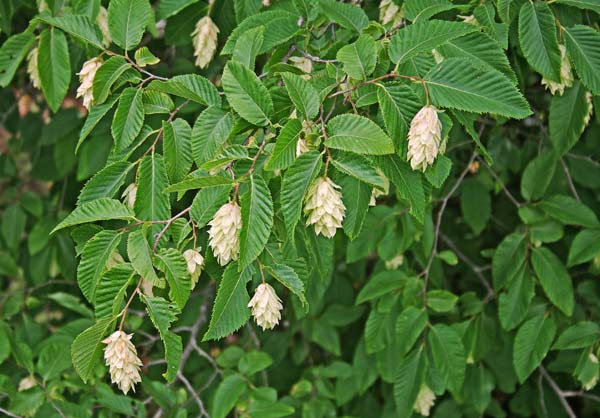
(55,66)
(95,254)
(294,186)
(230,310)
(554,278)
(257,220)
(582,45)
(127,20)
(532,343)
(359,135)
(537,36)
(304,96)
(425,36)
(129,118)
(87,348)
(459,84)
(96,210)
(105,183)
(246,93)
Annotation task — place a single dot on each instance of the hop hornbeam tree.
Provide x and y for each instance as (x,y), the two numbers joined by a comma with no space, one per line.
(403,194)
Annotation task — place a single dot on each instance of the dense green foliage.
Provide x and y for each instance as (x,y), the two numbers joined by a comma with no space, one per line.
(474,280)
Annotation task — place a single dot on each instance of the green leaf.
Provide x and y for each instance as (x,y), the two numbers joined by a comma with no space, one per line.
(582,46)
(127,20)
(129,118)
(163,314)
(211,130)
(230,310)
(582,4)
(407,182)
(476,205)
(257,220)
(12,52)
(459,84)
(144,57)
(356,196)
(513,305)
(508,259)
(55,66)
(157,102)
(537,37)
(294,186)
(248,46)
(168,8)
(95,254)
(177,150)
(190,183)
(358,134)
(410,324)
(79,26)
(359,58)
(227,395)
(303,95)
(424,9)
(140,256)
(289,278)
(421,37)
(538,175)
(111,290)
(468,120)
(173,265)
(13,225)
(481,50)
(569,211)
(347,15)
(532,343)
(437,173)
(410,377)
(554,278)
(246,94)
(441,300)
(95,115)
(448,356)
(584,247)
(206,203)
(284,153)
(254,362)
(380,284)
(70,302)
(111,73)
(97,210)
(567,117)
(581,335)
(4,342)
(152,202)
(193,87)
(398,104)
(105,183)
(279,26)
(87,348)
(360,168)
(486,17)
(509,9)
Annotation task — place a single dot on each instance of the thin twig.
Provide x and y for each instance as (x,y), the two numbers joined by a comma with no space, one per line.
(438,224)
(312,57)
(497,178)
(10,414)
(474,267)
(570,180)
(558,391)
